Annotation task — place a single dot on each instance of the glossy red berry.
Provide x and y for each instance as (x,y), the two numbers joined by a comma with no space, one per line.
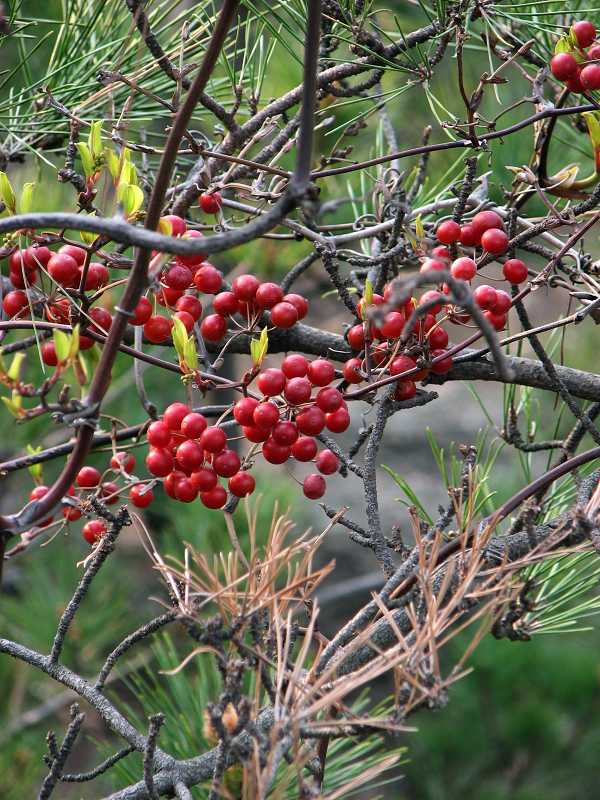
(584,31)
(285,433)
(101,320)
(96,276)
(494,241)
(195,260)
(171,480)
(157,329)
(405,390)
(14,302)
(443,365)
(297,391)
(159,462)
(593,53)
(438,338)
(245,287)
(515,270)
(38,492)
(432,265)
(304,448)
(88,477)
(468,236)
(210,202)
(329,399)
(356,337)
(351,371)
(93,530)
(300,303)
(110,492)
(225,304)
(590,77)
(503,302)
(243,410)
(142,312)
(563,66)
(255,434)
(311,421)
(268,295)
(174,415)
(214,498)
(463,269)
(123,461)
(141,495)
(191,305)
(484,221)
(204,479)
(193,425)
(321,372)
(177,223)
(178,276)
(213,327)
(275,453)
(208,279)
(393,324)
(485,296)
(574,84)
(294,366)
(284,315)
(242,484)
(498,321)
(76,253)
(314,486)
(185,491)
(226,463)
(167,297)
(213,439)
(189,456)
(432,295)
(327,462)
(402,364)
(70,513)
(271,382)
(338,421)
(64,270)
(448,232)
(158,434)
(265,416)
(187,319)
(49,356)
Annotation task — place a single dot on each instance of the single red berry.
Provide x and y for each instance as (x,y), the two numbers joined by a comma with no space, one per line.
(593,54)
(285,433)
(242,484)
(438,338)
(185,491)
(590,76)
(405,390)
(463,269)
(468,236)
(142,312)
(76,253)
(213,327)
(300,303)
(327,462)
(97,276)
(275,453)
(189,456)
(225,304)
(271,382)
(245,287)
(141,495)
(211,202)
(86,342)
(187,319)
(503,302)
(123,461)
(88,477)
(167,297)
(294,366)
(265,416)
(402,364)
(494,241)
(204,479)
(193,425)
(393,324)
(244,409)
(515,271)
(356,337)
(178,277)
(584,31)
(338,421)
(64,270)
(208,279)
(70,513)
(284,315)
(226,463)
(93,530)
(563,66)
(195,260)
(304,448)
(311,421)
(432,265)
(443,365)
(213,439)
(191,305)
(157,329)
(159,462)
(38,492)
(329,399)
(351,370)
(174,415)
(14,302)
(485,296)
(314,486)
(109,490)
(268,295)
(321,372)
(215,498)
(255,434)
(178,224)
(448,232)
(49,356)
(297,391)
(498,321)
(438,252)
(158,434)
(101,320)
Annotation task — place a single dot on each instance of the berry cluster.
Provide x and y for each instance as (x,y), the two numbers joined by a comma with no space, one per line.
(573,65)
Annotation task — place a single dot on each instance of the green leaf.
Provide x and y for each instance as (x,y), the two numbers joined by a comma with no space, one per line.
(95,139)
(62,343)
(26,203)
(190,354)
(15,366)
(179,336)
(87,237)
(419,227)
(259,348)
(14,404)
(35,470)
(130,197)
(113,162)
(87,160)
(74,343)
(7,193)
(165,227)
(368,293)
(563,45)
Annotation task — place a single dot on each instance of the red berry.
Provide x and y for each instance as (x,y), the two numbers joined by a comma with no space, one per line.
(463,269)
(442,366)
(448,232)
(376,300)
(204,479)
(244,409)
(64,269)
(393,324)
(438,338)
(255,434)
(432,295)
(284,315)
(327,462)
(110,492)
(20,281)
(297,391)
(178,224)
(351,370)
(171,480)
(402,364)
(211,202)
(14,302)
(285,433)
(159,462)
(226,463)
(314,486)
(49,356)
(93,530)
(494,241)
(271,381)
(167,297)
(294,366)
(141,495)
(268,295)
(189,456)
(563,66)
(88,477)
(97,276)
(178,277)
(208,279)
(311,421)
(192,261)
(593,53)
(70,513)
(191,305)
(215,498)
(338,421)
(157,329)
(213,327)
(485,296)
(245,287)
(242,484)
(158,434)
(185,491)
(122,460)
(213,439)
(174,415)
(356,337)
(187,319)
(432,265)
(225,304)
(275,453)
(304,448)
(515,270)
(38,492)
(584,31)
(503,302)
(574,84)
(76,253)
(193,425)
(405,390)
(437,252)
(329,399)
(101,320)
(300,303)
(321,372)
(590,76)
(468,236)
(265,416)
(498,321)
